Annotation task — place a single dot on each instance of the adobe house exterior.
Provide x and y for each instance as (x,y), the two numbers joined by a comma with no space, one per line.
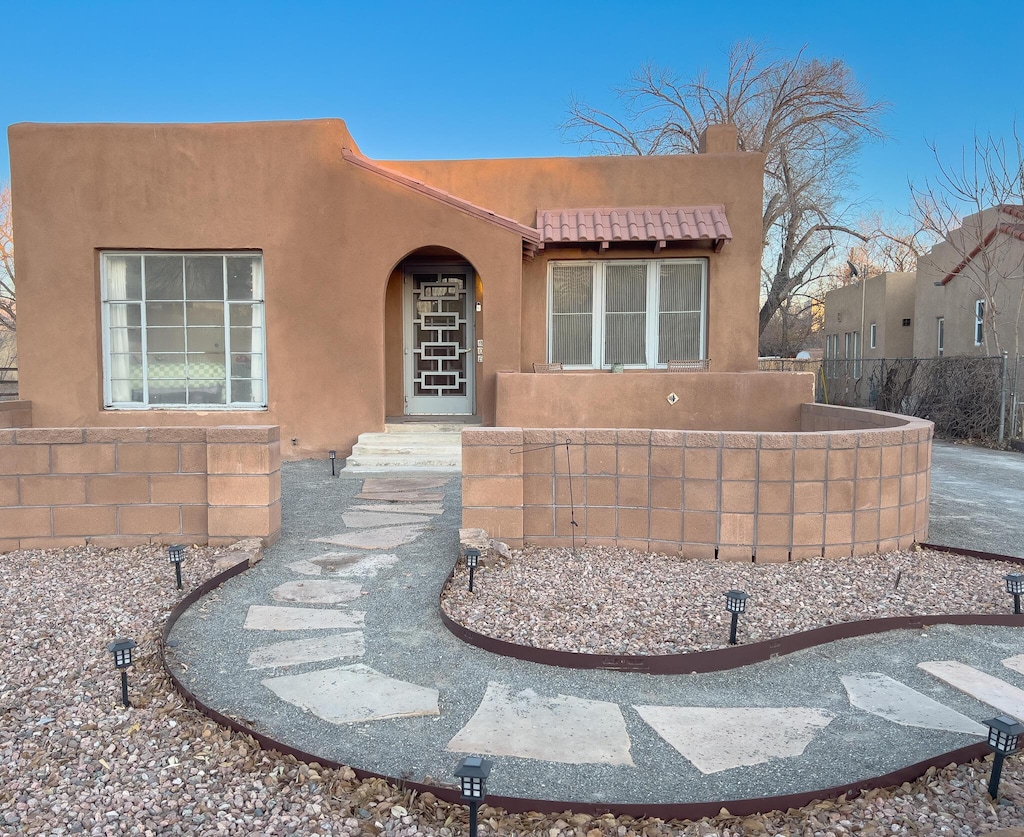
(197,302)
(970,288)
(270,274)
(866,320)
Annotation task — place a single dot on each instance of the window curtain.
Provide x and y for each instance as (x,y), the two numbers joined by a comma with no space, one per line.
(117,289)
(572,314)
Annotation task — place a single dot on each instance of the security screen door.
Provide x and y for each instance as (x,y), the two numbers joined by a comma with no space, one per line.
(439,370)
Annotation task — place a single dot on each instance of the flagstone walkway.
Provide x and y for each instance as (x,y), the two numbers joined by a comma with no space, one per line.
(333,644)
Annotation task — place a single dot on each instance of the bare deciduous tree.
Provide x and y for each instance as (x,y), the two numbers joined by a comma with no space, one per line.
(976,205)
(7,310)
(889,245)
(807,116)
(794,327)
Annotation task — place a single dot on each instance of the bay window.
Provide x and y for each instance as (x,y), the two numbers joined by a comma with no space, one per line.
(183,330)
(634,313)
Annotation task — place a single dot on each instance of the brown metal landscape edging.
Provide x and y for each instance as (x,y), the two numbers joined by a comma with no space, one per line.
(512,804)
(973,553)
(720,659)
(723,659)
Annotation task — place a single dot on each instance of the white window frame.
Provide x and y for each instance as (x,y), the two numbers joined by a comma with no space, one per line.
(979,322)
(874,335)
(248,406)
(653,267)
(940,337)
(856,356)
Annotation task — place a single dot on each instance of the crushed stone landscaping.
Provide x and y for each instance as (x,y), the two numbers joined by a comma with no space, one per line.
(74,761)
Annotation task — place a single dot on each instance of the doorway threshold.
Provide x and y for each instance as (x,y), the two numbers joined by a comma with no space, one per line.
(439,418)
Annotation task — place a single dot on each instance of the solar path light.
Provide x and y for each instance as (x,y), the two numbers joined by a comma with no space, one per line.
(735,603)
(122,650)
(472,560)
(1003,733)
(332,455)
(472,774)
(176,554)
(1015,586)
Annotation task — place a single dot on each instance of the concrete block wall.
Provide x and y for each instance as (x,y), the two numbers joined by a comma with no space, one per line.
(859,488)
(127,486)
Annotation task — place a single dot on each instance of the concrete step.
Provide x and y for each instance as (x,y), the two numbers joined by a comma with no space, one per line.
(414,446)
(414,428)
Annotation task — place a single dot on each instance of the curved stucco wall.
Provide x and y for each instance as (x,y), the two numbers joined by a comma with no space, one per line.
(849,482)
(654,398)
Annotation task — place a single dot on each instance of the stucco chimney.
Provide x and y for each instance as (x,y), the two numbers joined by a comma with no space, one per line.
(719,139)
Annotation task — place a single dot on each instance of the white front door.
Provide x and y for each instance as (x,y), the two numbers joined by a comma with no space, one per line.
(439,312)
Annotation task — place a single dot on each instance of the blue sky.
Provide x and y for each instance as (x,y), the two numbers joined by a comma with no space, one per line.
(489,79)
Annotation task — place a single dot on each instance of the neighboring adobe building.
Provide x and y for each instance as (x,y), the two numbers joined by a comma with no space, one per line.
(870,319)
(270,274)
(970,288)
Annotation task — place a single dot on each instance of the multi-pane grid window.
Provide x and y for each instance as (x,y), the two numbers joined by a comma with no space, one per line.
(183,329)
(633,313)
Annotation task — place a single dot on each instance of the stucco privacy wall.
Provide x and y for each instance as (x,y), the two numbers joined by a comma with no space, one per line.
(860,486)
(126,486)
(704,400)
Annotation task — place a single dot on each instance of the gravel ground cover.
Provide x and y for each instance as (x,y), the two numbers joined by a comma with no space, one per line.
(615,601)
(74,761)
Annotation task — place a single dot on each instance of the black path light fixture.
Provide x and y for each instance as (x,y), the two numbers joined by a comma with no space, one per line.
(1003,735)
(1015,586)
(332,455)
(472,774)
(121,648)
(472,561)
(176,554)
(735,603)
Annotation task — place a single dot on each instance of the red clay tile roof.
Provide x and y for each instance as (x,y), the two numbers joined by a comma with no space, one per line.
(634,223)
(529,235)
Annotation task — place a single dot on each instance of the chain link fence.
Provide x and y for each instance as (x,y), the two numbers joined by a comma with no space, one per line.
(966,397)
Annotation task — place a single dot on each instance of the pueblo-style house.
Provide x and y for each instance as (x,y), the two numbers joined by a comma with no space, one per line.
(272,274)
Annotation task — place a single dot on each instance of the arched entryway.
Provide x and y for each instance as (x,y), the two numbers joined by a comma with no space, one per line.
(430,314)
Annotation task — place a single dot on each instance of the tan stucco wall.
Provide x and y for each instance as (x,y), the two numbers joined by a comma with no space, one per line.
(518,188)
(887,299)
(748,401)
(332,235)
(1000,270)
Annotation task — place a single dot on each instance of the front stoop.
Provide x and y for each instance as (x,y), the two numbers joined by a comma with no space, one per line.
(414,446)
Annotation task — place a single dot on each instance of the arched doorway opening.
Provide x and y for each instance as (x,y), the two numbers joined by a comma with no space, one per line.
(430,312)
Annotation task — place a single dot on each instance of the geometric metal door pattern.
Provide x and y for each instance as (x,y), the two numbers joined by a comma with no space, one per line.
(439,340)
